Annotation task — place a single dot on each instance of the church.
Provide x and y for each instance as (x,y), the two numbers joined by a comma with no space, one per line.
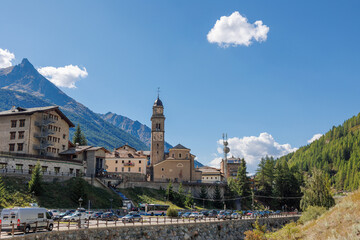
(176,165)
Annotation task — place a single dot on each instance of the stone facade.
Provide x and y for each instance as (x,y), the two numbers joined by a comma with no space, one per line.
(225,230)
(18,165)
(37,131)
(126,160)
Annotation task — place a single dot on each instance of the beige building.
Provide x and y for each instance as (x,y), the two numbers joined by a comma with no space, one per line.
(178,166)
(230,166)
(210,174)
(36,131)
(93,158)
(126,160)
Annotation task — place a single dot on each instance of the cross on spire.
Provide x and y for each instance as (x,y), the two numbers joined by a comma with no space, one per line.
(158,91)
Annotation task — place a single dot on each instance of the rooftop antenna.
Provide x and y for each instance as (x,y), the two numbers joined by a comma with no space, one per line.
(226,151)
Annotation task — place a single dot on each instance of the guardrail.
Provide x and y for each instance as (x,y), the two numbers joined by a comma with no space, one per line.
(62,225)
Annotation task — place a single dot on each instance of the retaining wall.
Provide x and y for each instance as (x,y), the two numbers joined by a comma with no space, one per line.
(226,230)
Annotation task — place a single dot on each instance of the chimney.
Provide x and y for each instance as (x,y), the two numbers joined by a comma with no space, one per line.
(13,108)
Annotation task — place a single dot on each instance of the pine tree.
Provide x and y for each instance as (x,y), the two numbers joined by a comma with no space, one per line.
(79,137)
(169,192)
(241,185)
(217,198)
(189,201)
(180,199)
(35,184)
(203,195)
(317,191)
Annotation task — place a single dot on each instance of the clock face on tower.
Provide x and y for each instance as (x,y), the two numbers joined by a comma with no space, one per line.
(158,110)
(158,136)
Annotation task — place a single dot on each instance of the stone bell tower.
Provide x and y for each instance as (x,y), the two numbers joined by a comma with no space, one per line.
(157,132)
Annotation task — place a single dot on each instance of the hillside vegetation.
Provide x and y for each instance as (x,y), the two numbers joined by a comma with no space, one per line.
(57,194)
(340,222)
(337,153)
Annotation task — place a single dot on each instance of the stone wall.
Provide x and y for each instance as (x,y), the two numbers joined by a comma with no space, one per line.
(201,231)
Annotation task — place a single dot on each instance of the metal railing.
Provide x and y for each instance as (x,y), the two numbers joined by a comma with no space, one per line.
(62,225)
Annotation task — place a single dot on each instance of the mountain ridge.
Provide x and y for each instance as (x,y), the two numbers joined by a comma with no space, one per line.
(25,78)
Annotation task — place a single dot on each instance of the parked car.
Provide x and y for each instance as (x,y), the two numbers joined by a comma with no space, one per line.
(236,215)
(212,213)
(109,216)
(224,216)
(196,215)
(206,213)
(132,218)
(75,217)
(26,219)
(186,215)
(96,215)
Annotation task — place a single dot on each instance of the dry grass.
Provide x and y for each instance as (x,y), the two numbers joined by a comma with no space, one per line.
(340,222)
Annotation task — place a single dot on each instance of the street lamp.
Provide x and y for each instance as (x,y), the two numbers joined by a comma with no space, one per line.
(80,201)
(111,200)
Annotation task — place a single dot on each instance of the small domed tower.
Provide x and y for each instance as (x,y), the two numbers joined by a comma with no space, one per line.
(157,132)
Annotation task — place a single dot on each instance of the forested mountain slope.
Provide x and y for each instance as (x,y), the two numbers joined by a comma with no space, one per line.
(337,153)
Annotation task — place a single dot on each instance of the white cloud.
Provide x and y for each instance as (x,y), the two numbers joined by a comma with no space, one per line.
(253,148)
(235,30)
(64,76)
(315,137)
(5,58)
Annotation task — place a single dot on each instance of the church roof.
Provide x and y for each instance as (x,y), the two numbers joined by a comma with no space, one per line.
(158,103)
(179,146)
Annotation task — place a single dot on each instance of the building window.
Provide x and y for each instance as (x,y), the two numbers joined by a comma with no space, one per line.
(57,170)
(116,161)
(21,135)
(20,146)
(123,161)
(59,129)
(19,166)
(122,169)
(211,177)
(12,135)
(55,129)
(3,165)
(139,161)
(48,149)
(179,155)
(44,169)
(129,161)
(64,136)
(128,169)
(13,123)
(116,169)
(162,169)
(207,177)
(71,170)
(49,138)
(22,122)
(139,169)
(11,147)
(63,147)
(187,155)
(173,155)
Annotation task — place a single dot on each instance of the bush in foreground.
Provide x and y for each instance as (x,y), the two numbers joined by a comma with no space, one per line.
(171,212)
(312,213)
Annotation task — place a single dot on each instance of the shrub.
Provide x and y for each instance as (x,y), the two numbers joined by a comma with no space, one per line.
(171,212)
(311,213)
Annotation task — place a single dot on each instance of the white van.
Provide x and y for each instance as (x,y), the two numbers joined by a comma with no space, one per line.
(26,219)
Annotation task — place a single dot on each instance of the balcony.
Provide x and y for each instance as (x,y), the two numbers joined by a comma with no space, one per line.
(44,134)
(44,122)
(42,146)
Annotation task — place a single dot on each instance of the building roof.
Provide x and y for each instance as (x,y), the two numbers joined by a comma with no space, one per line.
(29,111)
(205,170)
(179,146)
(158,103)
(75,150)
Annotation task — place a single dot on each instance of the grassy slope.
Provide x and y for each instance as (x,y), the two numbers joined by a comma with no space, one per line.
(58,194)
(147,195)
(340,222)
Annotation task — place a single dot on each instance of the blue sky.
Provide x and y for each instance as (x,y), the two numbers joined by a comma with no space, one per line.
(299,81)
